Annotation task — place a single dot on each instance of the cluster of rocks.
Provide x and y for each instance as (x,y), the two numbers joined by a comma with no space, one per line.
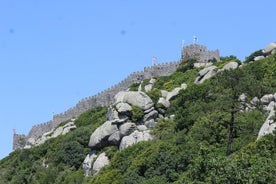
(147,87)
(61,130)
(268,50)
(210,71)
(121,130)
(93,163)
(126,131)
(268,103)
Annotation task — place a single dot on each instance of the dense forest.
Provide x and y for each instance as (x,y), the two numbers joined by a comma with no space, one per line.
(211,139)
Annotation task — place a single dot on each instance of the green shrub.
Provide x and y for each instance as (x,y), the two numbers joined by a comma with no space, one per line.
(154,95)
(70,153)
(164,129)
(136,113)
(253,55)
(94,115)
(63,123)
(134,86)
(186,65)
(144,83)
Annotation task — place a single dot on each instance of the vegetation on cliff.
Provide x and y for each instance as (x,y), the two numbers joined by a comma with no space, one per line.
(212,138)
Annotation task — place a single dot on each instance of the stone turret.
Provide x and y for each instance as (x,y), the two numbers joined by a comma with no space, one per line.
(19,141)
(200,53)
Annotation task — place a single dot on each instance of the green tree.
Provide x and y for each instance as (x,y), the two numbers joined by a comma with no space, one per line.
(70,153)
(231,85)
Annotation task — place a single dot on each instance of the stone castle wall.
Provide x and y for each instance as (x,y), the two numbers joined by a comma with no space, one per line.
(103,98)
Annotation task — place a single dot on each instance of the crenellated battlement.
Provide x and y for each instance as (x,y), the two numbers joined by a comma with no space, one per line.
(106,97)
(103,98)
(200,53)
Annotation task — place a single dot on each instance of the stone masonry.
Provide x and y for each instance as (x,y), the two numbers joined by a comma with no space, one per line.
(200,53)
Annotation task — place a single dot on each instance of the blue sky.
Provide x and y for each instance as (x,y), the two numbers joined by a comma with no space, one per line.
(54,53)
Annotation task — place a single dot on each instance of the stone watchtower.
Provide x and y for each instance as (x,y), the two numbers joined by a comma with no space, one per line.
(200,53)
(19,141)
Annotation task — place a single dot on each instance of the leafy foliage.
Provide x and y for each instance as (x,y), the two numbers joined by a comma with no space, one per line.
(136,113)
(154,94)
(134,86)
(186,65)
(97,114)
(58,160)
(175,80)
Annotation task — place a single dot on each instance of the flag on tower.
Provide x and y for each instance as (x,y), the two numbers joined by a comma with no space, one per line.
(183,43)
(195,39)
(154,60)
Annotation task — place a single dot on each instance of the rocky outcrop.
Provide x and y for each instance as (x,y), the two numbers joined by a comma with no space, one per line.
(268,103)
(88,161)
(150,124)
(175,92)
(93,163)
(205,74)
(257,58)
(230,65)
(149,86)
(255,101)
(135,137)
(112,131)
(123,107)
(121,130)
(163,102)
(266,99)
(101,161)
(210,71)
(62,130)
(136,98)
(246,105)
(269,125)
(269,48)
(166,96)
(100,136)
(267,51)
(126,129)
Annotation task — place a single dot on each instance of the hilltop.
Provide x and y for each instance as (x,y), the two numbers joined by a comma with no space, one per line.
(209,119)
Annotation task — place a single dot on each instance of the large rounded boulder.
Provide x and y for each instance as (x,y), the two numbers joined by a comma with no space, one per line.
(136,98)
(100,136)
(269,48)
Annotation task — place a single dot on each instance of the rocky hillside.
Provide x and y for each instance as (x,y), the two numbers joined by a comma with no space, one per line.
(212,124)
